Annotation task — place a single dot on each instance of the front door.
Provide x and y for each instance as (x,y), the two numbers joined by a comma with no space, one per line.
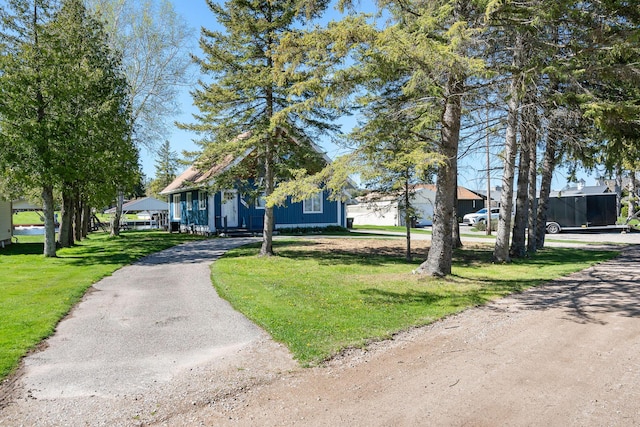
(229,209)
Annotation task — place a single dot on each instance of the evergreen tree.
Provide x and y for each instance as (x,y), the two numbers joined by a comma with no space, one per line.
(65,112)
(250,104)
(30,137)
(431,48)
(390,157)
(98,142)
(166,165)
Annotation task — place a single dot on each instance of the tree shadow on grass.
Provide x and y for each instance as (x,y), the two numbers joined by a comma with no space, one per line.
(455,300)
(467,257)
(381,297)
(23,249)
(345,257)
(366,256)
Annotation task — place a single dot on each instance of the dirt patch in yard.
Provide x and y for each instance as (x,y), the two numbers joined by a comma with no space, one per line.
(364,247)
(367,247)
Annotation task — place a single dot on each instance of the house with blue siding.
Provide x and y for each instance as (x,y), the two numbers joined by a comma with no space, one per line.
(193,207)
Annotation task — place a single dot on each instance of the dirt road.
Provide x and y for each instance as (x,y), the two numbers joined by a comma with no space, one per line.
(567,354)
(564,354)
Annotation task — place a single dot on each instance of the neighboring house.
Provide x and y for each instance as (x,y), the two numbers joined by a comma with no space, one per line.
(386,210)
(495,195)
(468,202)
(152,213)
(373,209)
(22,205)
(193,208)
(382,211)
(6,222)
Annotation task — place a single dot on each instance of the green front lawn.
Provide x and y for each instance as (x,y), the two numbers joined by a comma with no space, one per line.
(35,217)
(36,292)
(319,297)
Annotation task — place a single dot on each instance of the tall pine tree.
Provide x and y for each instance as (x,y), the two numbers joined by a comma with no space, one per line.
(166,165)
(247,104)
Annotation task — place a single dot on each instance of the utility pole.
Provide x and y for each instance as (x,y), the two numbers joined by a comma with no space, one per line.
(488,205)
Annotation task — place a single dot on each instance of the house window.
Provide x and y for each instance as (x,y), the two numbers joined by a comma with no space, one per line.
(202,200)
(313,204)
(261,202)
(176,206)
(189,201)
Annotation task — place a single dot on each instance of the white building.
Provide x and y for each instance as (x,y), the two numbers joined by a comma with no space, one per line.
(6,222)
(371,210)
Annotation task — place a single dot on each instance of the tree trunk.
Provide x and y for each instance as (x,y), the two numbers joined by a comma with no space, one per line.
(488,204)
(115,222)
(65,236)
(501,250)
(77,217)
(86,218)
(518,235)
(455,225)
(49,221)
(269,221)
(533,187)
(440,256)
(633,184)
(618,189)
(527,134)
(551,155)
(407,219)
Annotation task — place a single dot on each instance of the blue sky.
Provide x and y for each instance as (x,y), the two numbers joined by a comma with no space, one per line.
(197,15)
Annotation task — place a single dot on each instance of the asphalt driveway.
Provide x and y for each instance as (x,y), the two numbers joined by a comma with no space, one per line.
(130,335)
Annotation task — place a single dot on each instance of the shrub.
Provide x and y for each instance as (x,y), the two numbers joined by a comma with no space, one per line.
(624,212)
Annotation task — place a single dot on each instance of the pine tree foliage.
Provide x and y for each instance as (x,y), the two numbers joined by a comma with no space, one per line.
(571,54)
(166,165)
(425,50)
(245,105)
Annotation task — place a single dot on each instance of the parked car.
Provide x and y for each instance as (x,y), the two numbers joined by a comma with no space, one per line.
(424,222)
(480,216)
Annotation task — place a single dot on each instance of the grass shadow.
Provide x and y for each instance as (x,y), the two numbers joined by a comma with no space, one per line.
(369,256)
(381,297)
(345,257)
(23,249)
